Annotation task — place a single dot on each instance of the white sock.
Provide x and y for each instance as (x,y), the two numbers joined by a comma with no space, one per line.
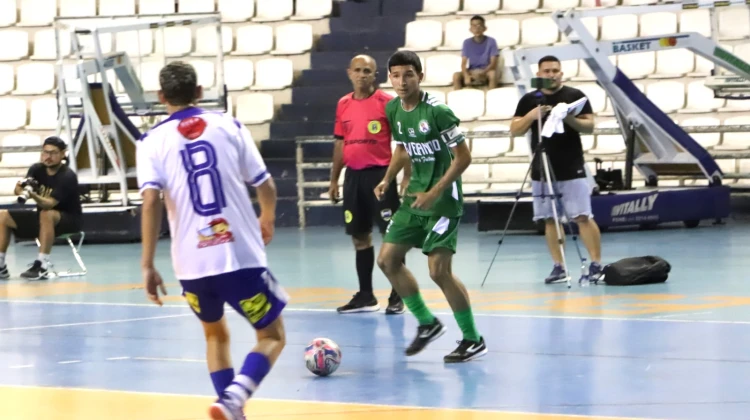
(44,258)
(2,259)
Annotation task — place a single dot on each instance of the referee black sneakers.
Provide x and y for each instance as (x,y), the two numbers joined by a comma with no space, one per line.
(360,303)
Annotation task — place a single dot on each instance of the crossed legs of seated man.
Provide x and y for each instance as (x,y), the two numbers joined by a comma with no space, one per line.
(48,220)
(440,261)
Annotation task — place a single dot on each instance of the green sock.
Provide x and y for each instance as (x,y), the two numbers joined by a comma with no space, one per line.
(465,321)
(416,306)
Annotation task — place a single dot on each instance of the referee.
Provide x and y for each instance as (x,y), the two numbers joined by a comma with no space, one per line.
(363,146)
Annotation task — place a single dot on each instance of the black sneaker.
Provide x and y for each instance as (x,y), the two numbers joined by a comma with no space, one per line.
(360,303)
(4,273)
(395,304)
(467,350)
(426,334)
(36,272)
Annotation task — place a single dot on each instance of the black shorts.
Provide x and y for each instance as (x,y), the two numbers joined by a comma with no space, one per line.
(361,207)
(27,222)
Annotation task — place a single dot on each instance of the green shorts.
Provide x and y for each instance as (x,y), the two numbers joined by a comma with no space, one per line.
(425,232)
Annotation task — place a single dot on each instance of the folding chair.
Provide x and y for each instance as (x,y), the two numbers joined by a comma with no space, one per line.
(76,249)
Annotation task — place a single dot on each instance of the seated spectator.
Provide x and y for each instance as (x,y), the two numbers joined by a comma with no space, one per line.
(479,57)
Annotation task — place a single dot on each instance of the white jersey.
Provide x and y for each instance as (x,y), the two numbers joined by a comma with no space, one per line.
(203,161)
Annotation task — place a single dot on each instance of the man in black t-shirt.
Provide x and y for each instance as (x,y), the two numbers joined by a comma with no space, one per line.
(58,209)
(565,154)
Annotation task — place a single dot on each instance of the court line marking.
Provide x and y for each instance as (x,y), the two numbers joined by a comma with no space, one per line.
(68,362)
(379,406)
(167,359)
(78,324)
(444,313)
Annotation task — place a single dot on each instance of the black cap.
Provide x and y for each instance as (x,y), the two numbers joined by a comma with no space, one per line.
(55,141)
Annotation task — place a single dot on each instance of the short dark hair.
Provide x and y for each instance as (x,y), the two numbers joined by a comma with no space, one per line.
(548,59)
(405,58)
(178,82)
(55,141)
(477,17)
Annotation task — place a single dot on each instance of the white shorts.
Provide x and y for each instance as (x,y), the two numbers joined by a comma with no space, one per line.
(575,195)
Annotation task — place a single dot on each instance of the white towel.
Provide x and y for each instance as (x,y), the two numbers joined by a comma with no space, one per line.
(554,122)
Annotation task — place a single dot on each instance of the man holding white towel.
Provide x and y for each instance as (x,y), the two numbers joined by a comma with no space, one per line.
(565,153)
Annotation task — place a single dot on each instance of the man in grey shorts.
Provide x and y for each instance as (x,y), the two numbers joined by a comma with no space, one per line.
(565,154)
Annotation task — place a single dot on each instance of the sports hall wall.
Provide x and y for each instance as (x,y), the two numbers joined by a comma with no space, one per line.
(285,65)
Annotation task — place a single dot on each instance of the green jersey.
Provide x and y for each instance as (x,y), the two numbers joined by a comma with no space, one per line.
(428,132)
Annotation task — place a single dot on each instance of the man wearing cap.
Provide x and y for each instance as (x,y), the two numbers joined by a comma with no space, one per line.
(58,209)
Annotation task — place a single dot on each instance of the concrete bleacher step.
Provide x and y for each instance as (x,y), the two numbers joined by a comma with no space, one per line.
(293,112)
(369,23)
(328,95)
(277,149)
(401,7)
(293,129)
(340,59)
(351,9)
(320,77)
(372,40)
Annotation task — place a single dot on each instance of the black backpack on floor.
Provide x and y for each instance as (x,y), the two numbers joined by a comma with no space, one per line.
(637,270)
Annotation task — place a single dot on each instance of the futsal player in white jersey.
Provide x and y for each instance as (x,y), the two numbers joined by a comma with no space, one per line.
(202,161)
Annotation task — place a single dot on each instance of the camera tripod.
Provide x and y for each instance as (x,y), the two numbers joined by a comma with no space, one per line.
(549,184)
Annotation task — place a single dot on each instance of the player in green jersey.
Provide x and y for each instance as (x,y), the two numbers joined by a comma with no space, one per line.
(426,132)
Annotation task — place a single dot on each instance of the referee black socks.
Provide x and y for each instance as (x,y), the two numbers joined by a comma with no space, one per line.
(365,266)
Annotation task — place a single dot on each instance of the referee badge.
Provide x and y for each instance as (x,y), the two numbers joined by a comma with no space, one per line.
(374,127)
(424,127)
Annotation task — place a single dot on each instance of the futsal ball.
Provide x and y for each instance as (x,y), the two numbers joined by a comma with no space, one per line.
(322,356)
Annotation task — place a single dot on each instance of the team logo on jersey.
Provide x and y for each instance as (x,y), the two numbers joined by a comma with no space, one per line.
(374,127)
(192,128)
(216,233)
(424,127)
(386,214)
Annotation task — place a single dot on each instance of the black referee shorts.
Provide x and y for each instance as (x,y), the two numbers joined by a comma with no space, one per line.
(361,207)
(27,222)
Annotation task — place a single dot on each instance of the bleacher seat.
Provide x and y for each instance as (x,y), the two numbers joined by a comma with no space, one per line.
(592,3)
(423,35)
(660,23)
(254,40)
(437,94)
(205,41)
(617,27)
(15,44)
(508,176)
(607,144)
(735,141)
(439,69)
(501,103)
(8,13)
(149,75)
(35,79)
(489,147)
(467,104)
(312,9)
(43,114)
(479,7)
(236,11)
(205,69)
(519,147)
(293,38)
(156,7)
(196,6)
(238,74)
(506,31)
(273,74)
(178,41)
(456,32)
(77,8)
(701,99)
(439,7)
(674,63)
(475,178)
(518,6)
(7,79)
(135,44)
(273,10)
(707,140)
(733,24)
(44,44)
(37,12)
(596,96)
(22,159)
(539,31)
(736,106)
(637,65)
(668,95)
(548,6)
(116,7)
(254,108)
(698,21)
